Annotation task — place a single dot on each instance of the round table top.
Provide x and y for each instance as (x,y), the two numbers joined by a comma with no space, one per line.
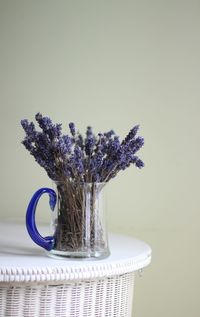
(23,261)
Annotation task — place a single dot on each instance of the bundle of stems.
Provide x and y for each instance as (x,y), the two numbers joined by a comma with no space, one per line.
(78,218)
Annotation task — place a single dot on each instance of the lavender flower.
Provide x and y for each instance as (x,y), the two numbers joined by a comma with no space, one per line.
(98,160)
(139,163)
(64,144)
(58,130)
(136,144)
(51,130)
(109,134)
(89,145)
(89,132)
(44,122)
(93,158)
(95,166)
(80,141)
(102,144)
(29,128)
(113,146)
(89,141)
(27,143)
(72,128)
(78,159)
(131,134)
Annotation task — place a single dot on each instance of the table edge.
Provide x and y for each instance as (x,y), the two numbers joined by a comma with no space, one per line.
(78,272)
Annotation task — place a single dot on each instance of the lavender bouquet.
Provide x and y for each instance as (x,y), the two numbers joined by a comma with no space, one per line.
(74,160)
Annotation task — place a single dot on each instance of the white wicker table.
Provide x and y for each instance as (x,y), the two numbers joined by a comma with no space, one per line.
(33,285)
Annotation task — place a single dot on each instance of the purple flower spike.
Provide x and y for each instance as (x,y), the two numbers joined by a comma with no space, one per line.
(64,144)
(58,130)
(131,134)
(78,159)
(89,132)
(80,142)
(135,145)
(29,128)
(139,163)
(89,141)
(51,130)
(72,128)
(28,145)
(89,145)
(109,134)
(45,123)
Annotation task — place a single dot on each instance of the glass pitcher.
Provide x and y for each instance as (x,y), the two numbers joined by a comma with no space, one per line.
(78,220)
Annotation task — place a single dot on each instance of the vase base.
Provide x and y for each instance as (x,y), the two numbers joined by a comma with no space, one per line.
(78,255)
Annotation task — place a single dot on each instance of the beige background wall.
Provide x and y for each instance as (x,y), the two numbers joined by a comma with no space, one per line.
(112,64)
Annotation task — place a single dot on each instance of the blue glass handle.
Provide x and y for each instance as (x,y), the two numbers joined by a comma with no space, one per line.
(45,242)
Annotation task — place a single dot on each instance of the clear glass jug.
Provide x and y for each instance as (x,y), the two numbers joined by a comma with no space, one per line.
(78,220)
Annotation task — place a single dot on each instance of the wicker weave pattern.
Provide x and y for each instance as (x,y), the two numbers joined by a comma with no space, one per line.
(105,297)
